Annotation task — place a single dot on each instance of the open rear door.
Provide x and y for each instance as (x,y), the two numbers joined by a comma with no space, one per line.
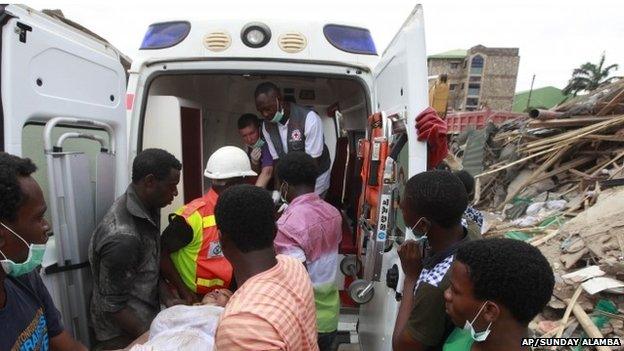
(400,93)
(63,87)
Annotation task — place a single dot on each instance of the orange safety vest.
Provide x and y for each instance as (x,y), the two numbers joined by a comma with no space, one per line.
(201,263)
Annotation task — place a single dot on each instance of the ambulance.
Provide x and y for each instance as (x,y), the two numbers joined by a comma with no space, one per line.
(68,103)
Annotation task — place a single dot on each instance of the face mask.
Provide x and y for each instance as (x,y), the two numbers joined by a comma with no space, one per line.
(258,144)
(477,336)
(35,257)
(420,237)
(278,114)
(283,192)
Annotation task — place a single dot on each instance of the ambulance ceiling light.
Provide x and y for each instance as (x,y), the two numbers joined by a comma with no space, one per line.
(350,39)
(165,35)
(256,35)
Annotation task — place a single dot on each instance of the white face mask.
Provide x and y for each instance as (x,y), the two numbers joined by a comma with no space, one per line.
(477,336)
(283,191)
(420,237)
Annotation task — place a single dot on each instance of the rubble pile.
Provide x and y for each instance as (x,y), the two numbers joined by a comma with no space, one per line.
(555,179)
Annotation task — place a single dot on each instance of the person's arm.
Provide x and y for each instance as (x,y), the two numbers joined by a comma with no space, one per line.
(176,236)
(64,342)
(119,259)
(170,273)
(247,331)
(314,139)
(411,262)
(265,177)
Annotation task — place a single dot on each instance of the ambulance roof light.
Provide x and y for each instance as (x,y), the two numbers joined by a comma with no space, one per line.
(256,35)
(350,39)
(165,35)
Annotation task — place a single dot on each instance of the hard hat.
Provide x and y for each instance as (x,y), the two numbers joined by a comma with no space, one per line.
(228,162)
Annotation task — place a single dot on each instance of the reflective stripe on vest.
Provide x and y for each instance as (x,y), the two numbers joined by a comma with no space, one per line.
(201,264)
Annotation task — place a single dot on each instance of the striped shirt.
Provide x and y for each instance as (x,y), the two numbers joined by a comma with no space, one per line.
(273,310)
(310,230)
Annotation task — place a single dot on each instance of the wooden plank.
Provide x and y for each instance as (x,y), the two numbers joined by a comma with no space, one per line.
(568,122)
(580,174)
(615,138)
(590,328)
(611,105)
(544,166)
(613,160)
(562,168)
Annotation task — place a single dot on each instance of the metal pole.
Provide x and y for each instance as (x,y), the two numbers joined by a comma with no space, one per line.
(530,91)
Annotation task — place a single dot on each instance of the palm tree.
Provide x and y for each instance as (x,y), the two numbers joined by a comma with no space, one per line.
(589,77)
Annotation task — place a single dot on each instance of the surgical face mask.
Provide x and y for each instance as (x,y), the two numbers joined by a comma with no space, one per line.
(283,192)
(277,117)
(420,237)
(469,327)
(258,144)
(35,257)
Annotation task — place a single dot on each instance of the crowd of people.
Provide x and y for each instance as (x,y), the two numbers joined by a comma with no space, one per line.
(275,273)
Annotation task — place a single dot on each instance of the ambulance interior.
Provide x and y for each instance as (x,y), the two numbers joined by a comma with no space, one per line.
(203,109)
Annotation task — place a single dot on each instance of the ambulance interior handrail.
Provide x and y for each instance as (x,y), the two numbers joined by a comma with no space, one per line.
(47,132)
(77,135)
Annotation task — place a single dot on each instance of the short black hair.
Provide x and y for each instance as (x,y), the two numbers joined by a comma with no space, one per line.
(265,88)
(297,168)
(248,119)
(154,161)
(467,179)
(11,196)
(245,214)
(510,272)
(438,195)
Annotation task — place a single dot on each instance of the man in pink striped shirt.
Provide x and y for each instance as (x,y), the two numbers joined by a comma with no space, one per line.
(310,231)
(273,308)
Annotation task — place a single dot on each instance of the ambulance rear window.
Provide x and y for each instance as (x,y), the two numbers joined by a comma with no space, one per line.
(350,39)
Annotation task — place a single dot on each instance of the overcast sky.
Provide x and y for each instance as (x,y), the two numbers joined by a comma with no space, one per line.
(554,36)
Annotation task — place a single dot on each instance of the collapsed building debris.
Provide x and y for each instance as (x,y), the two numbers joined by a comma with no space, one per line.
(554,179)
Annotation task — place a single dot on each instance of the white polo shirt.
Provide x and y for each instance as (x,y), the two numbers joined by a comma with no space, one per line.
(314,141)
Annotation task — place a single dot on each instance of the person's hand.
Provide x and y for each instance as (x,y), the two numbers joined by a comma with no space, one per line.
(255,155)
(432,129)
(410,253)
(188,296)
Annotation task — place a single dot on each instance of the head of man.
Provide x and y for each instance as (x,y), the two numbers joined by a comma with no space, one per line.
(228,166)
(155,175)
(246,222)
(498,281)
(22,209)
(249,129)
(468,180)
(269,101)
(433,202)
(297,172)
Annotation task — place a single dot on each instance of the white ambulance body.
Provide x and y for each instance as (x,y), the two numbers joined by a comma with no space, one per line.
(65,92)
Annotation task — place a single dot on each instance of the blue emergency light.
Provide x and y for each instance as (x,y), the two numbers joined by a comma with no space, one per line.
(165,35)
(350,39)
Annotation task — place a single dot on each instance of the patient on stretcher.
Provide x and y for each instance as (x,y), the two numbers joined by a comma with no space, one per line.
(184,327)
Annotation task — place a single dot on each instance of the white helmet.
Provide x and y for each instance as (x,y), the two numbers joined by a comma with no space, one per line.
(228,162)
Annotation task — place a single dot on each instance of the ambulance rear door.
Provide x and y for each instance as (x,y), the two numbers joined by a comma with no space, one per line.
(62,105)
(400,91)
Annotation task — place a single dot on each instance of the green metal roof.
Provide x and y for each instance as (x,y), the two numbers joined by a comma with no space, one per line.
(545,97)
(452,54)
